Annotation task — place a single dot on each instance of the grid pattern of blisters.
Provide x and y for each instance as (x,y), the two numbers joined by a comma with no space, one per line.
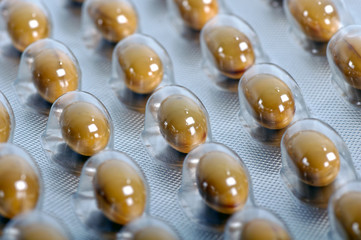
(312,74)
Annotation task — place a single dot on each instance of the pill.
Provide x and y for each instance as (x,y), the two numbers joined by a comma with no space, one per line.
(260,229)
(153,233)
(40,231)
(54,73)
(182,122)
(231,50)
(114,19)
(222,182)
(19,186)
(196,13)
(5,124)
(319,20)
(120,192)
(26,23)
(270,100)
(314,156)
(84,128)
(142,67)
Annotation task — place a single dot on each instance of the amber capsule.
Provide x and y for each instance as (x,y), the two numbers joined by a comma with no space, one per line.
(114,19)
(19,186)
(348,213)
(142,67)
(54,73)
(5,124)
(270,99)
(119,190)
(183,124)
(319,20)
(260,229)
(232,51)
(314,156)
(346,53)
(196,13)
(26,23)
(39,231)
(153,233)
(85,128)
(222,182)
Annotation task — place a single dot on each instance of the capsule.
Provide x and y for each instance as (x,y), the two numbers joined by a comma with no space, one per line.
(26,23)
(232,51)
(222,182)
(54,73)
(183,123)
(120,192)
(39,231)
(347,212)
(196,13)
(142,67)
(260,229)
(19,186)
(84,128)
(315,157)
(270,99)
(153,233)
(346,54)
(319,20)
(5,124)
(114,19)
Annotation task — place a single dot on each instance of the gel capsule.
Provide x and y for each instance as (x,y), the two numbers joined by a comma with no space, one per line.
(5,124)
(222,182)
(319,20)
(153,233)
(196,13)
(120,192)
(143,69)
(26,23)
(270,99)
(84,128)
(54,73)
(231,49)
(19,186)
(183,124)
(315,157)
(260,229)
(38,231)
(114,19)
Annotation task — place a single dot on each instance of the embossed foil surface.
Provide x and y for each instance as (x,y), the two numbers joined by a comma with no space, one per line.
(312,73)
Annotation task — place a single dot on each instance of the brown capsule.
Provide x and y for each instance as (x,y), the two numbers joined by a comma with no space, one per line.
(5,124)
(222,182)
(19,186)
(39,231)
(347,211)
(260,229)
(142,67)
(54,73)
(183,124)
(232,51)
(114,19)
(119,190)
(346,53)
(196,13)
(319,20)
(270,99)
(26,23)
(85,128)
(314,156)
(153,233)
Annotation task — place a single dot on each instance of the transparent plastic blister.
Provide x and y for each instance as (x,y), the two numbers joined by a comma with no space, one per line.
(7,120)
(23,22)
(47,70)
(176,121)
(148,228)
(35,225)
(140,65)
(106,22)
(78,127)
(215,185)
(21,183)
(255,223)
(343,55)
(315,161)
(344,212)
(229,47)
(270,100)
(112,192)
(313,23)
